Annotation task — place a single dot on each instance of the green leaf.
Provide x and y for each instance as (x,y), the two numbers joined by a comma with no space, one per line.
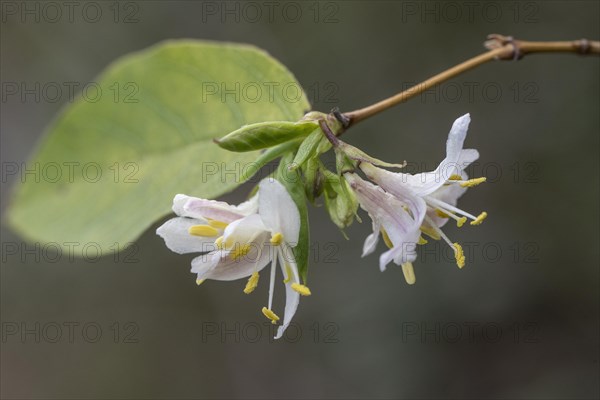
(150,136)
(265,134)
(295,187)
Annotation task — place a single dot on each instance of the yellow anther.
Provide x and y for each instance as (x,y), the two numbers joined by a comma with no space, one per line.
(276,239)
(461,221)
(479,218)
(409,273)
(455,177)
(386,238)
(219,242)
(270,314)
(429,231)
(422,240)
(252,283)
(288,272)
(303,290)
(199,281)
(203,230)
(459,255)
(228,243)
(217,224)
(240,251)
(441,214)
(473,182)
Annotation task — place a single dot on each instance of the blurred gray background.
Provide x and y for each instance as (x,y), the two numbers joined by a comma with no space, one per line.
(519,321)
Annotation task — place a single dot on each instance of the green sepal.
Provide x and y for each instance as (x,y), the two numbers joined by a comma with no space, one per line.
(295,187)
(340,201)
(263,135)
(307,149)
(271,154)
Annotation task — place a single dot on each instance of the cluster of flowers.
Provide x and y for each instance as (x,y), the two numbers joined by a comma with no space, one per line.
(264,230)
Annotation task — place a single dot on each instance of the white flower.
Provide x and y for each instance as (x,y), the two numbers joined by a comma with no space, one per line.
(243,240)
(391,218)
(439,190)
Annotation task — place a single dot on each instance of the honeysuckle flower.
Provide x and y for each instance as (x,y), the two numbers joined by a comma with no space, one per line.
(391,218)
(438,190)
(199,221)
(244,239)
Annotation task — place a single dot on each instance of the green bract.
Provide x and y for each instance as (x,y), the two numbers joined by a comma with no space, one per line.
(263,135)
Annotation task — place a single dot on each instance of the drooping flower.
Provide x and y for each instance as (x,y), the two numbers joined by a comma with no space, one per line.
(245,239)
(394,220)
(439,190)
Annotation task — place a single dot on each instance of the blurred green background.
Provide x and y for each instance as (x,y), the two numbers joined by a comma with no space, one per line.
(520,321)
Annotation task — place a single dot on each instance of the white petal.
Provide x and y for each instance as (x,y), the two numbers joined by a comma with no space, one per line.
(386,210)
(244,230)
(248,207)
(219,266)
(456,137)
(292,298)
(278,211)
(427,182)
(371,241)
(467,156)
(178,202)
(217,210)
(177,238)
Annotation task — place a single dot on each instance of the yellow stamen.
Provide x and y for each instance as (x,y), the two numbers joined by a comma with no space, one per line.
(441,214)
(409,273)
(270,314)
(303,290)
(219,242)
(479,218)
(240,251)
(288,272)
(228,243)
(276,239)
(422,240)
(461,221)
(455,177)
(252,283)
(386,238)
(217,224)
(473,182)
(429,231)
(459,255)
(199,281)
(203,230)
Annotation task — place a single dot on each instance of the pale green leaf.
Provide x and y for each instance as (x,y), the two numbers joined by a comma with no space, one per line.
(150,134)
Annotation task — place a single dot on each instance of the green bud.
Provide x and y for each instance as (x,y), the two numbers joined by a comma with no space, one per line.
(265,134)
(340,200)
(313,179)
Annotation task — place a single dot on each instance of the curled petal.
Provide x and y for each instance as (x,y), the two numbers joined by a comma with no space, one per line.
(278,211)
(292,298)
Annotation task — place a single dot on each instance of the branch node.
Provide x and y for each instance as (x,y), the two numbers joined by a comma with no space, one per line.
(343,119)
(496,41)
(583,46)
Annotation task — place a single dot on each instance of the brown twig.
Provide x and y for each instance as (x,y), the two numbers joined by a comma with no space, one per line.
(499,48)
